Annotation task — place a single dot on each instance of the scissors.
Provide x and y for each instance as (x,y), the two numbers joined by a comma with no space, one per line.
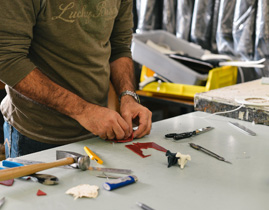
(178,136)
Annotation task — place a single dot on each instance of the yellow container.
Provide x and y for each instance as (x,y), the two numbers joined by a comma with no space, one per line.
(217,78)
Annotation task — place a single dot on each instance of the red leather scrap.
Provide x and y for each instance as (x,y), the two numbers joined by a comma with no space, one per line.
(123,140)
(136,147)
(40,193)
(7,182)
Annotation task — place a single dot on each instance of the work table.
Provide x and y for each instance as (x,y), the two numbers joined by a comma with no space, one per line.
(204,183)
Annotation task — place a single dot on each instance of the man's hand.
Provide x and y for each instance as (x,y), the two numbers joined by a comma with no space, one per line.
(131,111)
(104,122)
(101,121)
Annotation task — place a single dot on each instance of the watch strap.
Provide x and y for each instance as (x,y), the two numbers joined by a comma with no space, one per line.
(130,93)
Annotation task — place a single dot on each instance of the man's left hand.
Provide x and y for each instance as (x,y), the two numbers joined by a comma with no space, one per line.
(133,112)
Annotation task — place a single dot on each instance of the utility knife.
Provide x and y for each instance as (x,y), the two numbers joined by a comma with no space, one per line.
(178,136)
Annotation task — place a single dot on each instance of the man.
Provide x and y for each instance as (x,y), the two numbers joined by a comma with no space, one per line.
(56,59)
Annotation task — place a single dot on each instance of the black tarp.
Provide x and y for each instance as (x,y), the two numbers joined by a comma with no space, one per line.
(184,18)
(201,26)
(149,14)
(169,15)
(224,33)
(262,36)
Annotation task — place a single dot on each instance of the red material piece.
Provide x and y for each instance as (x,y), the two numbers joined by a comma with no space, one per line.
(40,193)
(123,140)
(7,182)
(136,147)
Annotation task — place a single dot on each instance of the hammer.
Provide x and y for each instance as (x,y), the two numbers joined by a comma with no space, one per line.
(76,160)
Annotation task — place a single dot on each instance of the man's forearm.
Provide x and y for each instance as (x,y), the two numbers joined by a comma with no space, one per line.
(101,121)
(122,74)
(41,89)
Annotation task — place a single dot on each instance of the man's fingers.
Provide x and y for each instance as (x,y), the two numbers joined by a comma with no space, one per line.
(123,130)
(110,134)
(144,126)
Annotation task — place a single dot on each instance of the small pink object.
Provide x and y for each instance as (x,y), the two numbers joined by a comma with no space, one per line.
(7,182)
(40,193)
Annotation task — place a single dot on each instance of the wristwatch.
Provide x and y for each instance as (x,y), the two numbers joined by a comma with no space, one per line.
(130,93)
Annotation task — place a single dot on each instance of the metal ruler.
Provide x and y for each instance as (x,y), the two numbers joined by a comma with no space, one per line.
(111,170)
(243,129)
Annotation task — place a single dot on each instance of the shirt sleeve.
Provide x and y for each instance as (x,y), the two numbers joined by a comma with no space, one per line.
(16,32)
(121,36)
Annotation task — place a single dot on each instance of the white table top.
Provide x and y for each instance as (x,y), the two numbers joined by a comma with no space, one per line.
(204,183)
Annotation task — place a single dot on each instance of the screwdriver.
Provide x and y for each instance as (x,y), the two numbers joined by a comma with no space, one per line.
(212,154)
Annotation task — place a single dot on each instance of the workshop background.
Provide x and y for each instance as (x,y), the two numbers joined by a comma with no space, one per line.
(234,27)
(239,28)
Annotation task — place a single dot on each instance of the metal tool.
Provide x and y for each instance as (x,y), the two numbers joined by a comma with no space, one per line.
(108,176)
(2,201)
(178,136)
(243,128)
(108,170)
(111,170)
(45,179)
(212,154)
(79,161)
(144,206)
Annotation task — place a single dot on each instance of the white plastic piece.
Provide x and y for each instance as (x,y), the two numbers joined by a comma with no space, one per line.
(183,159)
(253,100)
(84,190)
(210,56)
(164,49)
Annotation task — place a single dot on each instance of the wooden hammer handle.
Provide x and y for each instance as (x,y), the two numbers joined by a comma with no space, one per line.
(16,172)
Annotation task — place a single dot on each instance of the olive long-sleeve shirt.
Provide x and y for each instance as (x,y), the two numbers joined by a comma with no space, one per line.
(71,42)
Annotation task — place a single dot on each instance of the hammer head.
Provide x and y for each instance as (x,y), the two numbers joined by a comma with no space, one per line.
(80,161)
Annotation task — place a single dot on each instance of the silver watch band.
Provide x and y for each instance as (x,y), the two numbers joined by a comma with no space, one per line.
(130,93)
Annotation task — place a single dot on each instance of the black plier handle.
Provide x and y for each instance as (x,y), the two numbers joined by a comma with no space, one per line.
(178,136)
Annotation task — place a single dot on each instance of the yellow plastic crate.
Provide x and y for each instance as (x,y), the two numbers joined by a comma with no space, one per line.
(217,78)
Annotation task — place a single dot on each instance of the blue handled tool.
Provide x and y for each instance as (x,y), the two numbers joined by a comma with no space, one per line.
(45,179)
